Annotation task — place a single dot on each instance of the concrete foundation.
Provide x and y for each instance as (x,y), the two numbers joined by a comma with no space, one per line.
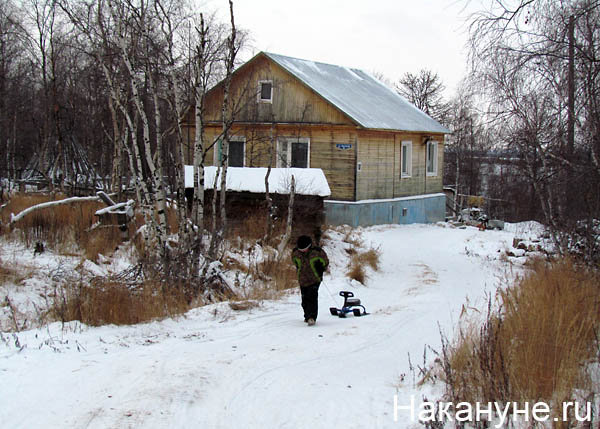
(416,209)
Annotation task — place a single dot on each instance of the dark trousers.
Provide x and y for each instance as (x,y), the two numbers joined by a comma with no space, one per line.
(310,301)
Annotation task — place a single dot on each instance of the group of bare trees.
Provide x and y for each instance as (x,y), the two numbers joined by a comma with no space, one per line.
(526,120)
(536,64)
(100,88)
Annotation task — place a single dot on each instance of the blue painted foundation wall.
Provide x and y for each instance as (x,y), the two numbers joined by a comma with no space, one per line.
(417,209)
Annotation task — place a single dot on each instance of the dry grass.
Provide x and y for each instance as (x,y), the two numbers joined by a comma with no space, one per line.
(14,273)
(360,260)
(102,240)
(6,273)
(371,258)
(357,272)
(243,305)
(117,303)
(252,227)
(535,348)
(65,228)
(263,279)
(280,275)
(55,226)
(105,301)
(351,239)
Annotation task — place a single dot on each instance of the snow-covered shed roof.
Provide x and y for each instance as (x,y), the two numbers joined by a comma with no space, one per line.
(309,181)
(359,95)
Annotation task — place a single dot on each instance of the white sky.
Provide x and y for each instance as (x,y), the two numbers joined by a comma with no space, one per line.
(386,36)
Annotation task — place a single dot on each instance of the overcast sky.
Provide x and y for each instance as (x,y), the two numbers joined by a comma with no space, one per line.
(386,36)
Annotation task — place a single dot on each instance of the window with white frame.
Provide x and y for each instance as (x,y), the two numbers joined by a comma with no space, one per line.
(236,156)
(237,152)
(265,91)
(432,158)
(293,152)
(406,159)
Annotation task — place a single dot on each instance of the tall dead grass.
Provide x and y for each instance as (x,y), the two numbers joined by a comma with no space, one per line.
(66,228)
(537,346)
(56,226)
(360,260)
(112,302)
(252,227)
(282,273)
(263,279)
(99,241)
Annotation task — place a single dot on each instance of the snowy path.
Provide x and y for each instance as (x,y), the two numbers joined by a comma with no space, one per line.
(216,368)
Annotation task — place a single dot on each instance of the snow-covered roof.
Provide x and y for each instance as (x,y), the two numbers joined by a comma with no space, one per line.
(359,95)
(309,181)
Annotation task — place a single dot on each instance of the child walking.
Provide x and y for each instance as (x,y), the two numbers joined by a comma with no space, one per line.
(311,262)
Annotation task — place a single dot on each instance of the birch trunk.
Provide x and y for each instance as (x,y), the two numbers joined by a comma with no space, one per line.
(227,114)
(158,173)
(199,94)
(212,250)
(142,193)
(115,177)
(269,228)
(288,229)
(13,153)
(157,195)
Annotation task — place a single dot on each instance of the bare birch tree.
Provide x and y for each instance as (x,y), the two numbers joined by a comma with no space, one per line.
(536,62)
(228,115)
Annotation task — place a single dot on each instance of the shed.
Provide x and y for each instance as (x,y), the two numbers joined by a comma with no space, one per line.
(246,193)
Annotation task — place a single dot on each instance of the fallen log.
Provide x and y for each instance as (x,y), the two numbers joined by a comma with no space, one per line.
(15,218)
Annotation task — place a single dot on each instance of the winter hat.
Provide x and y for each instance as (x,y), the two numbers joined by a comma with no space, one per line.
(304,242)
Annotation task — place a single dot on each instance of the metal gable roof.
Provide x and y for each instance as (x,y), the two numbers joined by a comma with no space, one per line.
(363,98)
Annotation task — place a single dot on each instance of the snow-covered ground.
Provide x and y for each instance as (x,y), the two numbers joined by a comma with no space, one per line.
(263,368)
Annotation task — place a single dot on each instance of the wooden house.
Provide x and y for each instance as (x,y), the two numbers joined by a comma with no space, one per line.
(382,157)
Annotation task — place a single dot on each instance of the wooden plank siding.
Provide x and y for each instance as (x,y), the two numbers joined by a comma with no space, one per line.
(379,154)
(293,102)
(376,175)
(337,163)
(337,143)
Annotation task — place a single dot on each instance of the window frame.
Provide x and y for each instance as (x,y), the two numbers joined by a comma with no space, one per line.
(288,158)
(216,152)
(408,172)
(434,164)
(259,98)
(239,139)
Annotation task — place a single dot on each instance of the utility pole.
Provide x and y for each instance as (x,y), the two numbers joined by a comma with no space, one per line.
(571,112)
(571,89)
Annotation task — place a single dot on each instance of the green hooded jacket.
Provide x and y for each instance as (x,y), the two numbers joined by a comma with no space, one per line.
(310,265)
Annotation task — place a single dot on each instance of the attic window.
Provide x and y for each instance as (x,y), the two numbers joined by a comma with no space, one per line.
(265,91)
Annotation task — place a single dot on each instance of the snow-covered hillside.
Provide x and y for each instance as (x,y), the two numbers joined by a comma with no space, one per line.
(263,368)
